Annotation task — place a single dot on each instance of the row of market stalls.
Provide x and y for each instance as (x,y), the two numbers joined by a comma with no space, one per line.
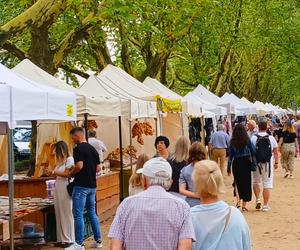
(113,98)
(126,114)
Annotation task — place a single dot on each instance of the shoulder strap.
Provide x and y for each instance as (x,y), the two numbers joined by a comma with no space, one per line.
(227,218)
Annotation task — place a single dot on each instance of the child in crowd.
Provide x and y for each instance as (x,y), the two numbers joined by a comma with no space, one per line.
(135,181)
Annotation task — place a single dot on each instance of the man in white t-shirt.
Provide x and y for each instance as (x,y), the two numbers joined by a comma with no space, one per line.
(97,144)
(265,171)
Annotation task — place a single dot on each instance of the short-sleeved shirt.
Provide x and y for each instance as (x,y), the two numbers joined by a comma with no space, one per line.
(61,168)
(219,140)
(271,138)
(89,156)
(288,137)
(99,146)
(186,178)
(152,219)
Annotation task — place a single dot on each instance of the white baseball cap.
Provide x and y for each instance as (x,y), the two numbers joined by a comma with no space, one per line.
(156,167)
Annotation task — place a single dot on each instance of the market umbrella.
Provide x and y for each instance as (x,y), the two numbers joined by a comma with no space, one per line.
(22,99)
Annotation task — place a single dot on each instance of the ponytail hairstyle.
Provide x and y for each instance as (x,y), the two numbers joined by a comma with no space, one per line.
(208,179)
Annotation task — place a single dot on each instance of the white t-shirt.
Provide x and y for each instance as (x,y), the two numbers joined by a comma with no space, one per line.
(99,146)
(273,142)
(69,164)
(272,139)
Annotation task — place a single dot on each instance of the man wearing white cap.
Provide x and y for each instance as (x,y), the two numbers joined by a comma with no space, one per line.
(153,219)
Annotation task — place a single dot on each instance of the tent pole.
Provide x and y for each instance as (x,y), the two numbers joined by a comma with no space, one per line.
(181,119)
(156,133)
(130,141)
(121,160)
(11,187)
(160,123)
(86,126)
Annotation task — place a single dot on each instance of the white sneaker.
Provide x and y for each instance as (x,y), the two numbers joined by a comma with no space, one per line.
(97,244)
(266,208)
(75,246)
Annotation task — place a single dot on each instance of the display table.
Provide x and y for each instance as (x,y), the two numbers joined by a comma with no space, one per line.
(23,207)
(107,197)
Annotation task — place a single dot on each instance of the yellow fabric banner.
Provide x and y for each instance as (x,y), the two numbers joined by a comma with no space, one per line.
(167,105)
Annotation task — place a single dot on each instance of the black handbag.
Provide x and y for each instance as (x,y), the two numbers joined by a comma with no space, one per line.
(70,188)
(253,162)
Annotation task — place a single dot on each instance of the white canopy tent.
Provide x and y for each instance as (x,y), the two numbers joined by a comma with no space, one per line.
(242,106)
(132,107)
(208,96)
(22,99)
(49,103)
(88,105)
(94,106)
(262,109)
(210,110)
(190,107)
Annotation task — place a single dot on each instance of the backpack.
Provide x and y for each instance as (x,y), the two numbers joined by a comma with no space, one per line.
(263,149)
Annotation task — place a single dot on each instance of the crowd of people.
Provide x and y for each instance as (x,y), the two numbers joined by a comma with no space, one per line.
(174,198)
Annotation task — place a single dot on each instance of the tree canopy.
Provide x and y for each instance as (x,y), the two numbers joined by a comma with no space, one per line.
(247,47)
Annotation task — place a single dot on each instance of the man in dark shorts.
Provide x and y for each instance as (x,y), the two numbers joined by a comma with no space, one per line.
(87,164)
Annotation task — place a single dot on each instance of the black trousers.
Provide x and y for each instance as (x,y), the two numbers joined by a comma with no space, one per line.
(242,177)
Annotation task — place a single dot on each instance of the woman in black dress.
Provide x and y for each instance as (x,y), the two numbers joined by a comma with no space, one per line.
(241,151)
(178,161)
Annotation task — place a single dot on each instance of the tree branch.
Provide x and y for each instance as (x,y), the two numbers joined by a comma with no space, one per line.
(14,50)
(43,11)
(74,71)
(184,81)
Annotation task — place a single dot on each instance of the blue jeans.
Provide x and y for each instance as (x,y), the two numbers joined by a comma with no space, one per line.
(85,198)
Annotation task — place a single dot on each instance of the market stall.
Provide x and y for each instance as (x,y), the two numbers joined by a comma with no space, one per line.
(87,106)
(174,122)
(246,109)
(42,103)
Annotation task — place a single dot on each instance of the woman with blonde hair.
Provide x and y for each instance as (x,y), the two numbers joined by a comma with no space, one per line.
(288,145)
(197,152)
(135,181)
(178,161)
(217,225)
(65,232)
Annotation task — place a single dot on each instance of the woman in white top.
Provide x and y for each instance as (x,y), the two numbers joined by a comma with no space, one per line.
(217,225)
(135,181)
(65,233)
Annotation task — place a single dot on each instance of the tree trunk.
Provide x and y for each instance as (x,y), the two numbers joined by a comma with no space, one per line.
(40,13)
(39,51)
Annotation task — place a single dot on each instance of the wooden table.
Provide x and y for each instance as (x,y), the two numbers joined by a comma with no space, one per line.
(107,196)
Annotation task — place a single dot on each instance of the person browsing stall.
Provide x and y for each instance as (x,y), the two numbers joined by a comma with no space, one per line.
(65,234)
(97,144)
(161,145)
(87,163)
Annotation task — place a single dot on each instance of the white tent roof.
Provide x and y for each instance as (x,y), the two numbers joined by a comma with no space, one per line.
(132,107)
(121,82)
(208,96)
(207,106)
(23,99)
(262,109)
(190,107)
(94,106)
(241,105)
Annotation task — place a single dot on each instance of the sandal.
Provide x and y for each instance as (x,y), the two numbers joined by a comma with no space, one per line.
(244,209)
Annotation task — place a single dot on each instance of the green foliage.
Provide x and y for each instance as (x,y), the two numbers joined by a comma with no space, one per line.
(248,47)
